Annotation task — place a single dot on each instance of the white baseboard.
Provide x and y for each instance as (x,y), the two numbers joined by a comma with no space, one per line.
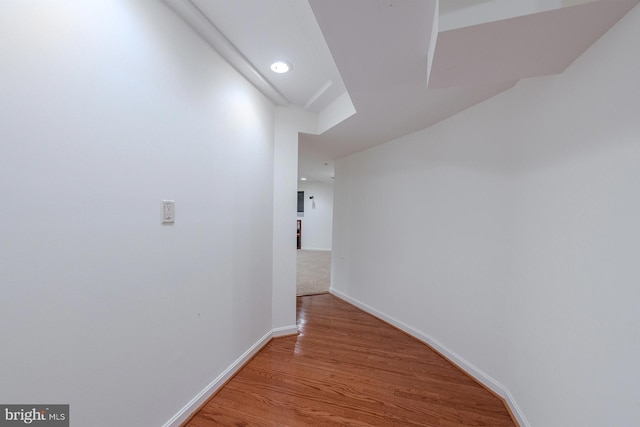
(316,249)
(452,356)
(215,385)
(284,331)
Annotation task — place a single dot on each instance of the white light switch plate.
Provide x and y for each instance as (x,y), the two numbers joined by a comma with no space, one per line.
(168,211)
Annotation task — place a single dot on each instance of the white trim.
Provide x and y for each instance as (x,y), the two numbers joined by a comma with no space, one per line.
(315,249)
(197,20)
(284,331)
(452,356)
(183,414)
(318,94)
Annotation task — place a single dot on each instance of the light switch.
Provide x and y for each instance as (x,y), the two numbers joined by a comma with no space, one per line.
(168,211)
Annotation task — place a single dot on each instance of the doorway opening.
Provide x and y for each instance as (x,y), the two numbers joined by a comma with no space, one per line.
(313,238)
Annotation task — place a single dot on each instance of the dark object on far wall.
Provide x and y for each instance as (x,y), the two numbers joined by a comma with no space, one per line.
(300,201)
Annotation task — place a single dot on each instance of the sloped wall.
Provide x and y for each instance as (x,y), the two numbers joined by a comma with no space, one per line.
(509,234)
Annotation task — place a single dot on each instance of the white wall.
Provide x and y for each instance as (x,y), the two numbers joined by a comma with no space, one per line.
(317,222)
(509,235)
(107,108)
(289,121)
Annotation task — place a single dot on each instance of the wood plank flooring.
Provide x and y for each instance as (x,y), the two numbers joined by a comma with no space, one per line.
(347,368)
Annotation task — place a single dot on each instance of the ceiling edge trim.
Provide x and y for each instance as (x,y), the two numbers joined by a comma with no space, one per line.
(194,17)
(433,40)
(318,94)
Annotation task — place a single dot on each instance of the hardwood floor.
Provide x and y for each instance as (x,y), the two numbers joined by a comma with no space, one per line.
(347,368)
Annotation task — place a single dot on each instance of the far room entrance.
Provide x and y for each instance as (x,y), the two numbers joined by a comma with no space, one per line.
(313,237)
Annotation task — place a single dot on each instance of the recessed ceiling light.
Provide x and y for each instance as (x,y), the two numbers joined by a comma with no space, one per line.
(280,67)
(303,179)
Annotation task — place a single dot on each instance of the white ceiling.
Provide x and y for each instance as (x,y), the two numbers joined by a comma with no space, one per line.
(264,31)
(404,65)
(538,44)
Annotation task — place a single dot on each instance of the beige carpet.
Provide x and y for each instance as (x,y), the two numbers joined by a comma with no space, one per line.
(314,272)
